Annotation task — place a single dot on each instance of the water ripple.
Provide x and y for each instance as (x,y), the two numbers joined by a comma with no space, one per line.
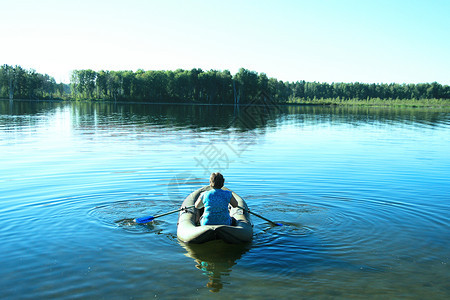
(362,193)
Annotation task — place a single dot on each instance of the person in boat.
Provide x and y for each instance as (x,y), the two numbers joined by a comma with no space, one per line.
(216,202)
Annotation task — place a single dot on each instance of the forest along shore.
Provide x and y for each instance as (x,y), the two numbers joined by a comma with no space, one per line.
(211,87)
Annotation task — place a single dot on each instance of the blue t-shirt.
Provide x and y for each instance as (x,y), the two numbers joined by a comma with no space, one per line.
(216,207)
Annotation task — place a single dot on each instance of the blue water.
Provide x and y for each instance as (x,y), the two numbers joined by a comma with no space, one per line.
(364,195)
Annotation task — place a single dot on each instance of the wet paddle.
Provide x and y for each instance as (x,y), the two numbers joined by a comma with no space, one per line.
(148,219)
(265,219)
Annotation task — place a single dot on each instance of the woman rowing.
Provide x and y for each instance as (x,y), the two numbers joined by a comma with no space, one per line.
(216,202)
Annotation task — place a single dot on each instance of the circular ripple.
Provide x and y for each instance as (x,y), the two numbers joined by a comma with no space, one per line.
(121,214)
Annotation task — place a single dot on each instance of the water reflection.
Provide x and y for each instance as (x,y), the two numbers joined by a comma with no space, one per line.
(215,259)
(362,115)
(204,117)
(364,189)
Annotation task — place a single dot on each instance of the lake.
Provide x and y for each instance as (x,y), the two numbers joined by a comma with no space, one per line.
(363,194)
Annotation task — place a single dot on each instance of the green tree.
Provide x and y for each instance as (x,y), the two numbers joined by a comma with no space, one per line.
(247,85)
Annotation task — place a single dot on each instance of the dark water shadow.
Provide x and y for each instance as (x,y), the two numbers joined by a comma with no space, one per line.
(215,260)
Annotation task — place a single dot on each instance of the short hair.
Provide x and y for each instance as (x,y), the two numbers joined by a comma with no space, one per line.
(217,180)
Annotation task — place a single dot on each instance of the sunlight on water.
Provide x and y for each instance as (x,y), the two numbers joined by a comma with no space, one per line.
(363,194)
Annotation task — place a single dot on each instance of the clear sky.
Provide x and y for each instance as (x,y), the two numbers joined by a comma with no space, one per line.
(403,41)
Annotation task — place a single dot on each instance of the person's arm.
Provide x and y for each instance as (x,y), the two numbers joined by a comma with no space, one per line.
(233,201)
(199,202)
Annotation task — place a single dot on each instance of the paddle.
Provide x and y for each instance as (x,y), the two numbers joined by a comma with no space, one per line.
(144,220)
(271,222)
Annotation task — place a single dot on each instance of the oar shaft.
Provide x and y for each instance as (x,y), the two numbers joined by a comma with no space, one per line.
(259,216)
(151,218)
(173,211)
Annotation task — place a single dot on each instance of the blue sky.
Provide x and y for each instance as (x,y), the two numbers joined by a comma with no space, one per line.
(327,41)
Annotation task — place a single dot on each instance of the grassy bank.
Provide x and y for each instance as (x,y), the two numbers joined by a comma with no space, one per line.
(374,102)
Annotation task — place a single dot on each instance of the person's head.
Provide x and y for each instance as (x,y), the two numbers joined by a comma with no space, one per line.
(216,180)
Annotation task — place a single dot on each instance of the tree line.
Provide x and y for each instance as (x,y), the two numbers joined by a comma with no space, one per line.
(19,83)
(198,86)
(245,86)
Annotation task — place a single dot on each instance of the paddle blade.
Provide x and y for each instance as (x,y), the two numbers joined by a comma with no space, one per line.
(144,220)
(278,224)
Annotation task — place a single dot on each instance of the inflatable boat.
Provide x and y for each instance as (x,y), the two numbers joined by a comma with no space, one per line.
(190,231)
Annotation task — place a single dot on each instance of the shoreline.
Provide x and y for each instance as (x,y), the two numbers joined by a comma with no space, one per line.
(435,103)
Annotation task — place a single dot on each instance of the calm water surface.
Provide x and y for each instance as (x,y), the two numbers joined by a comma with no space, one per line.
(364,193)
